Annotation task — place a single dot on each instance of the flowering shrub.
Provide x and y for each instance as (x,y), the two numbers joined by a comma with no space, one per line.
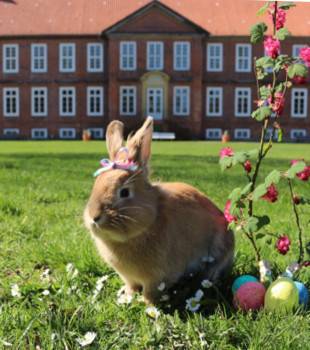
(275,74)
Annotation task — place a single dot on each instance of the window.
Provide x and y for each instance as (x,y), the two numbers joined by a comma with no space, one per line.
(181,101)
(11,132)
(242,102)
(242,134)
(214,101)
(243,58)
(269,134)
(182,55)
(94,57)
(67,102)
(39,102)
(128,100)
(299,103)
(67,58)
(10,58)
(11,102)
(128,55)
(155,55)
(38,58)
(39,134)
(95,101)
(215,57)
(297,134)
(296,50)
(96,133)
(67,133)
(214,134)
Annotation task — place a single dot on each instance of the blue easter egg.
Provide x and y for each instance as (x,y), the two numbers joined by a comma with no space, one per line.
(303,293)
(242,280)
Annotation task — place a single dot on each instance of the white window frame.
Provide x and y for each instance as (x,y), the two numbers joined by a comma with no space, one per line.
(34,130)
(45,96)
(183,58)
(188,100)
(269,133)
(7,131)
(296,48)
(8,114)
(101,98)
(249,98)
(134,89)
(96,58)
(61,112)
(61,57)
(211,130)
(63,130)
(246,130)
(209,57)
(5,58)
(128,57)
(33,58)
(299,115)
(303,131)
(247,59)
(161,55)
(100,130)
(208,112)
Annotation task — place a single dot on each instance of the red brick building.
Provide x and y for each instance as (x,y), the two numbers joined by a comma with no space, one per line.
(67,66)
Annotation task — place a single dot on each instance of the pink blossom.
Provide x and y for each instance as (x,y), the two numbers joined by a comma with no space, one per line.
(299,80)
(278,103)
(272,47)
(304,54)
(247,166)
(283,245)
(306,263)
(280,17)
(226,152)
(271,194)
(228,216)
(296,200)
(305,173)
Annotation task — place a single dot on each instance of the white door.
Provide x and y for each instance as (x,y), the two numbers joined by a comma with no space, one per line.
(155,103)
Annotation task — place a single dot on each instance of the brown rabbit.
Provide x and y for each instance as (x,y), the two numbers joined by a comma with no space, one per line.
(152,233)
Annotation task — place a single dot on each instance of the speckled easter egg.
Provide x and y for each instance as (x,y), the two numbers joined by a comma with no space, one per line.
(303,293)
(250,296)
(281,296)
(242,280)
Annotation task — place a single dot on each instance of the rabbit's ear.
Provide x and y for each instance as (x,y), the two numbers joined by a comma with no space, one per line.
(139,144)
(114,138)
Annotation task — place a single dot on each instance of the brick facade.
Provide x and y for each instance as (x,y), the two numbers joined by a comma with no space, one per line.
(155,24)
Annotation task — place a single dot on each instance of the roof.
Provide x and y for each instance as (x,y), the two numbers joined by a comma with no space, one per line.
(91,17)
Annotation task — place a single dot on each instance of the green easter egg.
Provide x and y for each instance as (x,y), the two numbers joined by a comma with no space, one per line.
(242,280)
(282,296)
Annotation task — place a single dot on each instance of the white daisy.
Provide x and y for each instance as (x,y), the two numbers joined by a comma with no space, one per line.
(192,304)
(46,292)
(88,338)
(45,274)
(15,292)
(206,284)
(152,312)
(71,271)
(124,299)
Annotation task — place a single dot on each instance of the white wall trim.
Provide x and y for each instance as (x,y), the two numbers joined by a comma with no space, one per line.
(188,100)
(208,98)
(305,98)
(121,95)
(63,131)
(99,89)
(122,46)
(45,97)
(42,131)
(5,58)
(99,58)
(220,57)
(209,133)
(249,101)
(160,45)
(5,97)
(44,58)
(63,69)
(62,90)
(248,59)
(186,67)
(245,131)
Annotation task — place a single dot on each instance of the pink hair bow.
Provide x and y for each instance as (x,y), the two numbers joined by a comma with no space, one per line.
(121,161)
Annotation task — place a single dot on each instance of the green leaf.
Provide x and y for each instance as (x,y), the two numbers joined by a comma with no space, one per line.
(235,195)
(297,69)
(259,192)
(295,169)
(262,221)
(253,153)
(263,9)
(264,92)
(286,5)
(273,178)
(264,62)
(257,32)
(246,190)
(226,162)
(262,113)
(240,157)
(282,34)
(255,223)
(280,135)
(260,235)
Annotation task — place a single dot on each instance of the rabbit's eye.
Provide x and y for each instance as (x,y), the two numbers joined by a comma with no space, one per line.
(124,193)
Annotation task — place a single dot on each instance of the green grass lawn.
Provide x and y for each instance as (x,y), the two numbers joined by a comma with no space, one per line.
(44,188)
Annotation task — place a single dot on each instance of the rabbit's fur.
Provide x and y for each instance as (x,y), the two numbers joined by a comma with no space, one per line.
(161,231)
